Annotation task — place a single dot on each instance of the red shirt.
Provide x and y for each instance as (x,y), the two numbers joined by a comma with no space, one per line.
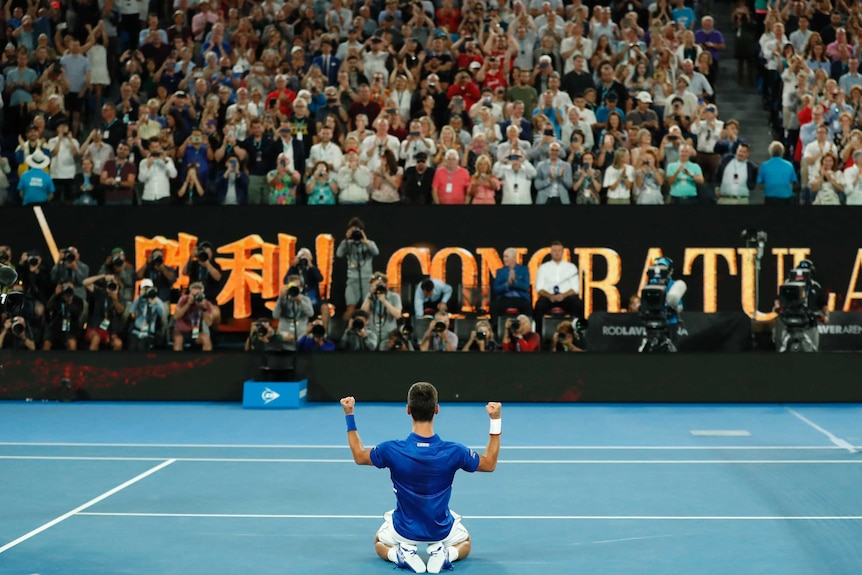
(451,187)
(469,91)
(494,79)
(530,342)
(283,107)
(449,19)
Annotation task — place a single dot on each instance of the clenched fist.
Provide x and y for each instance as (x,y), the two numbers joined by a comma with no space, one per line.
(348,404)
(493,408)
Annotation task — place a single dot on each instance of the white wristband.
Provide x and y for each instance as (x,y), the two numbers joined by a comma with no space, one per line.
(496,426)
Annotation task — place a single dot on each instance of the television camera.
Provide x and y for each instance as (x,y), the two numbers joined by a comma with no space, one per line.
(660,302)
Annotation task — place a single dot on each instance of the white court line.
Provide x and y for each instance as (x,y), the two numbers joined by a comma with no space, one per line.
(502,517)
(504,447)
(86,505)
(501,461)
(833,438)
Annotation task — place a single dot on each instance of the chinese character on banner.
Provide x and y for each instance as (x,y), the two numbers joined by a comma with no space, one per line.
(254,267)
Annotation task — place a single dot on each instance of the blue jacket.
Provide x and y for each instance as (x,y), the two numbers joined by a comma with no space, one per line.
(519,288)
(241,188)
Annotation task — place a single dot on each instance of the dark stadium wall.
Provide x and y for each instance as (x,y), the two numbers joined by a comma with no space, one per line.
(460,377)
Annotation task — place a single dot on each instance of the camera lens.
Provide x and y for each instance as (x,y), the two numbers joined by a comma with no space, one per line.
(303,262)
(118,261)
(33,261)
(199,297)
(68,291)
(440,326)
(203,256)
(158,260)
(261,330)
(380,289)
(112,286)
(356,236)
(292,291)
(358,324)
(152,293)
(515,325)
(18,328)
(68,257)
(481,335)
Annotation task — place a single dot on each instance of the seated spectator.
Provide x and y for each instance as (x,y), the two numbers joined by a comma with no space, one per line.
(432,295)
(558,284)
(519,335)
(192,319)
(511,287)
(439,337)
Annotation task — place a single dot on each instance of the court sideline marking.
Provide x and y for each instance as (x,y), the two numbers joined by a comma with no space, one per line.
(86,505)
(495,517)
(833,438)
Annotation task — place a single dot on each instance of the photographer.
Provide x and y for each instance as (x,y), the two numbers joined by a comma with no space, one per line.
(482,338)
(149,329)
(162,276)
(108,312)
(303,266)
(35,278)
(519,335)
(382,305)
(402,339)
(359,251)
(262,337)
(117,265)
(292,310)
(193,318)
(64,318)
(438,337)
(566,338)
(16,334)
(315,338)
(202,267)
(70,268)
(357,337)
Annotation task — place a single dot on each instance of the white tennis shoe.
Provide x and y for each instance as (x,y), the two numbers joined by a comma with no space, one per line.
(409,559)
(438,558)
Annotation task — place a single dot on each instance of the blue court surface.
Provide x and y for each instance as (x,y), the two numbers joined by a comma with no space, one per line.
(161,489)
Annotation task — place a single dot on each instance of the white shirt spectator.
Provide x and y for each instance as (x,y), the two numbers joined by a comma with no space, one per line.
(329,153)
(799,39)
(370,142)
(563,275)
(816,150)
(853,186)
(63,160)
(571,43)
(252,109)
(156,178)
(517,186)
(409,149)
(707,136)
(376,62)
(621,191)
(734,182)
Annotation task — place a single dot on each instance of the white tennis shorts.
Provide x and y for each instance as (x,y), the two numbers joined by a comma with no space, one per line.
(388,536)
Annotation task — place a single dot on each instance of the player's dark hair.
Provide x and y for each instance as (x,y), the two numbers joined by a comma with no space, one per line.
(422,401)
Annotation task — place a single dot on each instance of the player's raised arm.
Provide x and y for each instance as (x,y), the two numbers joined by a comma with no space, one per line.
(361,455)
(488,462)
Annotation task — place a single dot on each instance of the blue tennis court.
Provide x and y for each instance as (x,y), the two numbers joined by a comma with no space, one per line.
(175,488)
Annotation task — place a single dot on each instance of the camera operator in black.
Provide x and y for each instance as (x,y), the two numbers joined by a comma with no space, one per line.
(382,305)
(359,251)
(303,266)
(6,257)
(162,276)
(71,268)
(35,278)
(16,334)
(65,318)
(482,338)
(439,337)
(357,336)
(108,312)
(117,265)
(149,329)
(203,268)
(816,309)
(262,337)
(292,310)
(315,338)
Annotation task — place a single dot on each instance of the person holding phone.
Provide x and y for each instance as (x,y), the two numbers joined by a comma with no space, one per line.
(283,181)
(156,172)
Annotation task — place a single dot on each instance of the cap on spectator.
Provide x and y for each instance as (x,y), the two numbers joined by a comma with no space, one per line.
(117,250)
(677,99)
(420,157)
(475,65)
(685,79)
(352,150)
(611,96)
(180,94)
(10,46)
(145,283)
(32,127)
(38,160)
(178,12)
(644,97)
(296,49)
(303,94)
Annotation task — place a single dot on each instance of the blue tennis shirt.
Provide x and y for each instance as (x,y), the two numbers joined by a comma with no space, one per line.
(422,470)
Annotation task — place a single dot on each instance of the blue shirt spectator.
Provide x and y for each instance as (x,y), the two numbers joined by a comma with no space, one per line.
(777,174)
(683,15)
(429,294)
(21,80)
(309,343)
(520,288)
(35,185)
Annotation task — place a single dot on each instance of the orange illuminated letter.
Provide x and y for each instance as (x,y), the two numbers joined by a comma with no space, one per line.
(608,284)
(710,271)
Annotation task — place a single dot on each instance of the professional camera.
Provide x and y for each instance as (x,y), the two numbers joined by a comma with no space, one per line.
(68,291)
(202,255)
(293,291)
(4,257)
(199,297)
(440,326)
(515,325)
(356,235)
(380,289)
(68,256)
(18,326)
(261,328)
(117,262)
(358,324)
(112,286)
(481,335)
(303,262)
(318,331)
(158,259)
(794,313)
(659,304)
(33,260)
(151,294)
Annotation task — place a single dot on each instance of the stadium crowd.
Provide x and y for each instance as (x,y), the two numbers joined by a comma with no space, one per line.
(381,102)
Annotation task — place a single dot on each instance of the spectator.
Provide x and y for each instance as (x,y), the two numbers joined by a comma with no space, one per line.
(853,181)
(683,177)
(418,181)
(117,178)
(619,178)
(778,176)
(553,179)
(451,182)
(587,181)
(519,335)
(828,183)
(557,284)
(283,181)
(192,319)
(516,174)
(353,180)
(231,185)
(36,186)
(511,287)
(736,177)
(431,295)
(156,173)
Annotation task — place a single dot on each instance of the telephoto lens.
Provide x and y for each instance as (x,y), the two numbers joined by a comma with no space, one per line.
(203,256)
(118,262)
(261,330)
(440,326)
(515,325)
(199,297)
(358,324)
(481,335)
(17,327)
(356,236)
(292,291)
(33,260)
(112,286)
(152,293)
(68,291)
(68,257)
(380,289)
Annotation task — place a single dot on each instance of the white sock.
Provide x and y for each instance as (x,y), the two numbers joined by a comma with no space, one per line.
(453,554)
(392,554)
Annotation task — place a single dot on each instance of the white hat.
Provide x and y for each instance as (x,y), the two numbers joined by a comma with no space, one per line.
(644,97)
(475,65)
(146,283)
(38,160)
(296,49)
